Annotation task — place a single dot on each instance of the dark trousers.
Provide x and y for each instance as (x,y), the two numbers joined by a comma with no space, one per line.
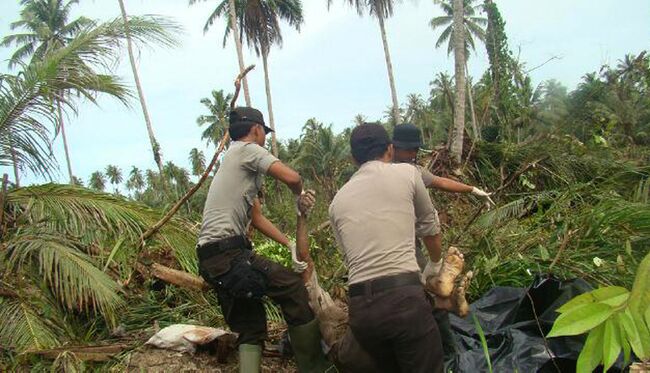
(396,327)
(247,316)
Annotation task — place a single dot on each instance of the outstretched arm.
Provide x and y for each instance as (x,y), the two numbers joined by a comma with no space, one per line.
(449,185)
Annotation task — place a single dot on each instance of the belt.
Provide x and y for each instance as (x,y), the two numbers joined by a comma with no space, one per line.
(380,284)
(214,248)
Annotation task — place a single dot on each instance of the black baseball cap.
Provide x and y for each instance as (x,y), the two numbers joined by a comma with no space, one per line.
(407,136)
(244,117)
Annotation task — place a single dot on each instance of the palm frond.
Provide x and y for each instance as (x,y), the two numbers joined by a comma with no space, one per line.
(22,327)
(76,281)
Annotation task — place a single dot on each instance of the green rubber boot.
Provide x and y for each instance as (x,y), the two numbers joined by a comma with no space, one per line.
(305,342)
(250,357)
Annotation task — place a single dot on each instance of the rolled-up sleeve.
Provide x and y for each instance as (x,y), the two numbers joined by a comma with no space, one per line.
(426,217)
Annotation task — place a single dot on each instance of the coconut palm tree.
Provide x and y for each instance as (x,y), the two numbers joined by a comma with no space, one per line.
(230,7)
(474,29)
(155,145)
(217,120)
(259,21)
(114,175)
(197,160)
(70,65)
(456,140)
(380,9)
(474,25)
(260,25)
(97,181)
(136,180)
(45,27)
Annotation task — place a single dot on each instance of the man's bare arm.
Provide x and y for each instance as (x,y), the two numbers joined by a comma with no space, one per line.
(449,185)
(262,224)
(302,246)
(287,175)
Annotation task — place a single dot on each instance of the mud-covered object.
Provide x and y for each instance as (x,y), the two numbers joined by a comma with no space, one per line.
(507,317)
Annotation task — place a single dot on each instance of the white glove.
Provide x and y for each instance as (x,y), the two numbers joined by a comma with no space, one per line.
(488,201)
(305,202)
(298,266)
(431,269)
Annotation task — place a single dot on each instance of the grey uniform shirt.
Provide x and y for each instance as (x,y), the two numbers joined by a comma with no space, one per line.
(427,177)
(227,210)
(376,217)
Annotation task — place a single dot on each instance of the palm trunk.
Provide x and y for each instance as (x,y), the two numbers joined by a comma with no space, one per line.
(155,146)
(14,160)
(477,133)
(65,140)
(238,46)
(456,146)
(389,67)
(269,104)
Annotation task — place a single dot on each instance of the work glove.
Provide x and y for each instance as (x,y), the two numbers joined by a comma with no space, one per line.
(297,265)
(430,270)
(305,202)
(480,193)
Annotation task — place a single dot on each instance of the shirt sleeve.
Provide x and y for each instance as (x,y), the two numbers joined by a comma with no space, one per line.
(426,218)
(427,177)
(257,159)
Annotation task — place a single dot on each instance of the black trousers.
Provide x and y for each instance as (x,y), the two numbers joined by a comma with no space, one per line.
(397,328)
(247,316)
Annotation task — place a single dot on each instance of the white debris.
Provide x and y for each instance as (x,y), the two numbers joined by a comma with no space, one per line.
(185,338)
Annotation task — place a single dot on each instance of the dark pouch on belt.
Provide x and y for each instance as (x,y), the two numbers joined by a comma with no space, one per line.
(243,280)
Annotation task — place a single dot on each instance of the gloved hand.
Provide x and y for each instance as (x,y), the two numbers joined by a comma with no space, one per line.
(297,265)
(488,201)
(305,202)
(430,270)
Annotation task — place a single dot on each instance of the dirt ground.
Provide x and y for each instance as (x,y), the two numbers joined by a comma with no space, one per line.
(148,359)
(151,359)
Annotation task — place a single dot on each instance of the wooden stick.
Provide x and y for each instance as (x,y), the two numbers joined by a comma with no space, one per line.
(156,227)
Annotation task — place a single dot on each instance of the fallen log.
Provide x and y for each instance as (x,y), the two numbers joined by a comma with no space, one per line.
(174,276)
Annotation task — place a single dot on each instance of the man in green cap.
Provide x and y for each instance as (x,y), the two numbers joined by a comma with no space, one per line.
(226,257)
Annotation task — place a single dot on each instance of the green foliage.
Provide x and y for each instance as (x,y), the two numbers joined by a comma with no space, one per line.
(614,319)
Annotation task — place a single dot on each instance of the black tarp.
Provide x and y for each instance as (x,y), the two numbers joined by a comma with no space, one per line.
(511,324)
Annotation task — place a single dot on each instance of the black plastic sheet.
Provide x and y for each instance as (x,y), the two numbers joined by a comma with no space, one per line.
(514,321)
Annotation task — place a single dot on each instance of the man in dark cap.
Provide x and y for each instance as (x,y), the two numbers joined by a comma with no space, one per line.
(407,142)
(226,257)
(375,217)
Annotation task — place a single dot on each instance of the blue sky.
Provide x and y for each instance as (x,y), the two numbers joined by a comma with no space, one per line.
(332,69)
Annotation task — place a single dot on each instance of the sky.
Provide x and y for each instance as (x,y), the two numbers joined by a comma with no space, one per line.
(331,70)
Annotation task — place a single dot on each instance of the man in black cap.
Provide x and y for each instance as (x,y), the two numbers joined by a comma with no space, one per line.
(226,257)
(375,217)
(407,142)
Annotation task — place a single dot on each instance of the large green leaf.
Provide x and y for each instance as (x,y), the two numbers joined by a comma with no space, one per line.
(644,335)
(604,295)
(635,335)
(611,342)
(640,295)
(581,319)
(592,352)
(623,338)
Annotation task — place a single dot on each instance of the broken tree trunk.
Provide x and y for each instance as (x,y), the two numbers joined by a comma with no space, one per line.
(174,276)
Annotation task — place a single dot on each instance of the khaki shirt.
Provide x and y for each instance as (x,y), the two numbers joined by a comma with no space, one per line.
(227,210)
(376,217)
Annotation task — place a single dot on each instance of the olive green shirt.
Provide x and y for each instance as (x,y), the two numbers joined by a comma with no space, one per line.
(376,217)
(239,179)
